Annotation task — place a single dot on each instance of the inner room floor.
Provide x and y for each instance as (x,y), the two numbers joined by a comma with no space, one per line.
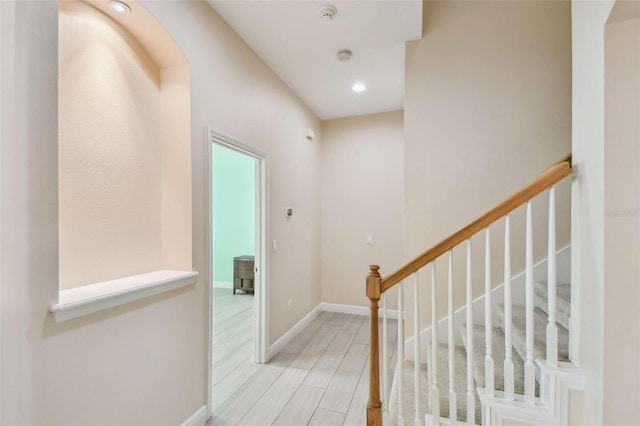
(233,331)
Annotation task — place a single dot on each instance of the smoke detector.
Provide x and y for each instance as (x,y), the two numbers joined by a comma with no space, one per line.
(344,55)
(327,12)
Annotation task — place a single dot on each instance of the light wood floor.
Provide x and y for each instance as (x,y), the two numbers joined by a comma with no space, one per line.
(321,377)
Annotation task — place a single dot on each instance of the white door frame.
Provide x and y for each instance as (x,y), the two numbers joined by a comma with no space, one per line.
(261,284)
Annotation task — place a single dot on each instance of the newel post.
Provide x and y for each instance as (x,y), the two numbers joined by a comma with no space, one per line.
(374,407)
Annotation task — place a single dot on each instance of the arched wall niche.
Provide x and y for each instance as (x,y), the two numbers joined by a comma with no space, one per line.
(124,146)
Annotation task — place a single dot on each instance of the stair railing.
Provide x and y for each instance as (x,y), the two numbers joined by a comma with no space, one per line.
(376,286)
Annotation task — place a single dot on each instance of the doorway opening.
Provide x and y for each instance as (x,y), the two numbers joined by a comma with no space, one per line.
(237,276)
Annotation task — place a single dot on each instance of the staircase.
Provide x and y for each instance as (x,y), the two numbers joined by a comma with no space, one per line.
(514,364)
(518,331)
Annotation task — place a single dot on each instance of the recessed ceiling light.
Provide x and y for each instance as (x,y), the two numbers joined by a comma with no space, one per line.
(120,7)
(359,87)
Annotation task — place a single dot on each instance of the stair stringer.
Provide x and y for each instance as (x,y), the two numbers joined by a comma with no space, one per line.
(551,408)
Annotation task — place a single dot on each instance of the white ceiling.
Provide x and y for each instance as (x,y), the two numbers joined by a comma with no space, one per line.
(301,48)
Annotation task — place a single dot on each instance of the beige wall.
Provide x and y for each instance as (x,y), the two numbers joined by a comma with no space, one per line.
(96,368)
(110,159)
(621,226)
(362,193)
(176,167)
(144,362)
(487,108)
(234,92)
(124,156)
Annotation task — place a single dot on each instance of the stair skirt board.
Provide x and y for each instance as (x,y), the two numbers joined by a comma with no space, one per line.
(563,264)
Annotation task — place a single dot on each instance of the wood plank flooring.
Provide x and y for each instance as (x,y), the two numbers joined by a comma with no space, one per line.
(321,377)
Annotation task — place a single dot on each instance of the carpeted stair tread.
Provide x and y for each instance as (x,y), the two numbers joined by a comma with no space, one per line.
(443,384)
(409,399)
(518,327)
(479,350)
(563,301)
(541,319)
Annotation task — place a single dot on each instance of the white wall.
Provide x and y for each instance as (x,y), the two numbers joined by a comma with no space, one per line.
(605,217)
(29,198)
(144,362)
(621,222)
(362,193)
(487,108)
(588,20)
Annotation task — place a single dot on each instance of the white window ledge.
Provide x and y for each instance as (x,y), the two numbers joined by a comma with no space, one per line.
(79,301)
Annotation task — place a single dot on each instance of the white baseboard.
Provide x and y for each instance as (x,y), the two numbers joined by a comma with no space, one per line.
(356,310)
(223,284)
(199,418)
(327,307)
(286,337)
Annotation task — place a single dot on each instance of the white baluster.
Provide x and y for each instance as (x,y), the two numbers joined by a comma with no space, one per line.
(385,363)
(429,381)
(529,366)
(435,391)
(416,349)
(508,349)
(552,329)
(452,371)
(471,399)
(400,368)
(488,319)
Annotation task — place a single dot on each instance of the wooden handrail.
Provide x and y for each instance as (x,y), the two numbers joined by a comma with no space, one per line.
(548,178)
(567,158)
(376,286)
